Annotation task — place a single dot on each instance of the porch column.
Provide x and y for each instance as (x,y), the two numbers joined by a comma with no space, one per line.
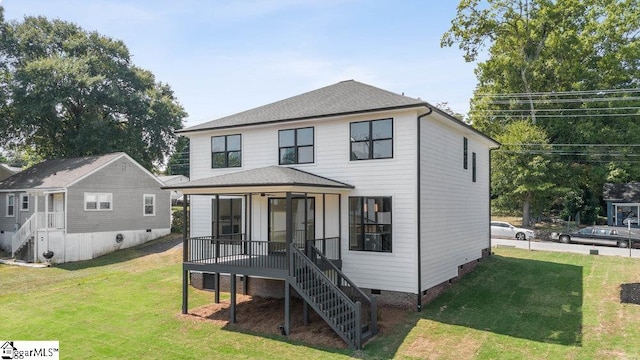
(216,296)
(287,307)
(232,308)
(340,226)
(185,256)
(289,227)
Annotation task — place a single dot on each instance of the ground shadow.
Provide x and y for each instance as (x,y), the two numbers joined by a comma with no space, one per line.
(151,247)
(533,300)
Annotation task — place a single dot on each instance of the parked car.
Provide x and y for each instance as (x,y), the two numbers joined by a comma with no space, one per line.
(501,229)
(600,236)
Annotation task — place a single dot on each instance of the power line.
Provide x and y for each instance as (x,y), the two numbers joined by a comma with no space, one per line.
(563,93)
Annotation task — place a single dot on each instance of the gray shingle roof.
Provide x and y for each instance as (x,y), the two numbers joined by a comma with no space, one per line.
(263,177)
(627,191)
(346,97)
(56,173)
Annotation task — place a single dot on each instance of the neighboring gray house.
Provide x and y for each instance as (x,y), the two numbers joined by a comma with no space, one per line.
(176,196)
(81,208)
(6,171)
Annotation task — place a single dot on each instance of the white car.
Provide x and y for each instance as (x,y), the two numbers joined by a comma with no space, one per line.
(501,229)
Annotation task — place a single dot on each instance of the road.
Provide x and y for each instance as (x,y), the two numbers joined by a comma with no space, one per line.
(573,248)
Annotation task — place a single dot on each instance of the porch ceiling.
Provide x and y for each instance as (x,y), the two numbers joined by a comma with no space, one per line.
(266,179)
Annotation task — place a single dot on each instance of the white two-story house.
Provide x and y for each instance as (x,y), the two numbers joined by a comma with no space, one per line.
(347,195)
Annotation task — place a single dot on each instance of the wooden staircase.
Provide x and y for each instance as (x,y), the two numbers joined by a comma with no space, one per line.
(349,311)
(25,251)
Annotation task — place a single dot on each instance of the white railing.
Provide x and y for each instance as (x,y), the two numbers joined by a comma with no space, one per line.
(55,220)
(27,229)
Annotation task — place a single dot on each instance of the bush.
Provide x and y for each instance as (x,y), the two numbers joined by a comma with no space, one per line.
(176,221)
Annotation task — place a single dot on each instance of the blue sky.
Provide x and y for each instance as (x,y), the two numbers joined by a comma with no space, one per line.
(222,57)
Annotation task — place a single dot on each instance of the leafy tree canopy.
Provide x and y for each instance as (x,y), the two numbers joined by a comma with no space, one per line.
(70,92)
(546,62)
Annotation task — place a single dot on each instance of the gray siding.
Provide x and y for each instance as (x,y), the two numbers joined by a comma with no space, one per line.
(127,183)
(7,223)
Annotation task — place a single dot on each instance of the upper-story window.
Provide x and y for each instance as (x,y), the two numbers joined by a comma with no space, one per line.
(296,146)
(372,139)
(465,153)
(226,151)
(473,167)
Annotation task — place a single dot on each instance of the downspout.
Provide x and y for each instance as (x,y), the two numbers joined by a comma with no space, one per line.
(419,308)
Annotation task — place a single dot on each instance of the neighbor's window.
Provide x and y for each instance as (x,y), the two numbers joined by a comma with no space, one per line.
(295,146)
(11,205)
(372,139)
(370,224)
(98,201)
(149,204)
(473,167)
(24,202)
(226,151)
(465,153)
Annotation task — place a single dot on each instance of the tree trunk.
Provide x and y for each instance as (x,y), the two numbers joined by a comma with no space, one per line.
(526,211)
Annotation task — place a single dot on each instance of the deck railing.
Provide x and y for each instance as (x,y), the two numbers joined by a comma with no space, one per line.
(234,250)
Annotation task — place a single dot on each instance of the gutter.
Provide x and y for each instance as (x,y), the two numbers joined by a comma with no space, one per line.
(419,306)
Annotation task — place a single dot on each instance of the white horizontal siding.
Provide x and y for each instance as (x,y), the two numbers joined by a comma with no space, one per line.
(454,209)
(386,177)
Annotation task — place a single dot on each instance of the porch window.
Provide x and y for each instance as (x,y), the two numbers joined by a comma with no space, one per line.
(229,221)
(226,151)
(372,139)
(98,201)
(370,224)
(11,205)
(296,146)
(24,202)
(149,204)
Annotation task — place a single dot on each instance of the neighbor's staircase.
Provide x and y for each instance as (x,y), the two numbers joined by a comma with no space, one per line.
(347,309)
(23,240)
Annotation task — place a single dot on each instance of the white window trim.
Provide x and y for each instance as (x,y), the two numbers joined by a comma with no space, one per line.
(110,195)
(144,204)
(14,205)
(22,196)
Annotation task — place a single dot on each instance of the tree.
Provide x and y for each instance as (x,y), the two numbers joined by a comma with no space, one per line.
(521,176)
(178,163)
(546,62)
(73,93)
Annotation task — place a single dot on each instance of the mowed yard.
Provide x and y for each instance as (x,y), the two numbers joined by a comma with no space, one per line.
(517,304)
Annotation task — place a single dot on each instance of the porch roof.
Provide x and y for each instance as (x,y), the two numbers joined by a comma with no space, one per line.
(270,178)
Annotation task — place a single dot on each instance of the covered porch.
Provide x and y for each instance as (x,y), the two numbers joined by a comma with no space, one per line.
(46,215)
(276,223)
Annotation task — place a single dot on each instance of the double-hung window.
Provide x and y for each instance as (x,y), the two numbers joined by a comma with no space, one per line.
(372,139)
(24,202)
(98,201)
(11,205)
(226,151)
(370,224)
(296,146)
(149,204)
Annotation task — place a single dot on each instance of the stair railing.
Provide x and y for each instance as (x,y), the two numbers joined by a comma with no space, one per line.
(22,235)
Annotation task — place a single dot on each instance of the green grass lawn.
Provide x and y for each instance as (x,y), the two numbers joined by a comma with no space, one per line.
(517,304)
